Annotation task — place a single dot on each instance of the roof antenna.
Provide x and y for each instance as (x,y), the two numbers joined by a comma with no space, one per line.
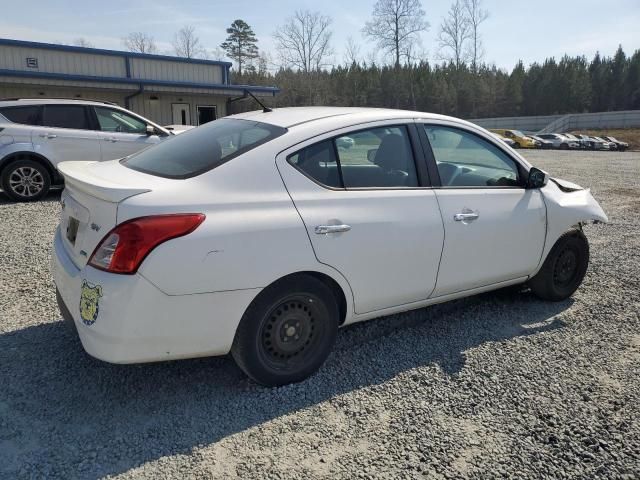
(265,109)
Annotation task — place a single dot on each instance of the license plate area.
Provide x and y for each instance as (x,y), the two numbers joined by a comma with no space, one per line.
(72,230)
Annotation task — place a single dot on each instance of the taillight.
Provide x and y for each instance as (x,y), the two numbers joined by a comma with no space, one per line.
(123,249)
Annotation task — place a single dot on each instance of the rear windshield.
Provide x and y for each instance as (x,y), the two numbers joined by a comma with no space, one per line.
(202,149)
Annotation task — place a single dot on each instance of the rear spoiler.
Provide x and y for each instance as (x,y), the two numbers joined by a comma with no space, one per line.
(80,176)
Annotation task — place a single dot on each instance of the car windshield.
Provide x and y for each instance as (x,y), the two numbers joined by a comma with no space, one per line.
(517,133)
(201,149)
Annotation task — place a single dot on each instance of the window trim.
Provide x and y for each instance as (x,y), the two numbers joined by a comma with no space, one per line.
(87,116)
(433,166)
(417,150)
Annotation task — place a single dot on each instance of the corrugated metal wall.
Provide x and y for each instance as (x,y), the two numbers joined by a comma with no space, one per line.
(52,61)
(175,71)
(103,65)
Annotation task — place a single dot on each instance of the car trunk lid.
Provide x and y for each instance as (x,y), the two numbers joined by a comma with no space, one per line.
(90,202)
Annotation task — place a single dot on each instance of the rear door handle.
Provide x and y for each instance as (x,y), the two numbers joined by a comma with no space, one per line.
(111,139)
(326,229)
(48,135)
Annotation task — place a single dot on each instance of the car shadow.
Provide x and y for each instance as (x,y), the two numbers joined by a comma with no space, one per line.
(58,406)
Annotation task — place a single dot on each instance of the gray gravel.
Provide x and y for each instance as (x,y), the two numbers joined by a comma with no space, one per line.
(500,385)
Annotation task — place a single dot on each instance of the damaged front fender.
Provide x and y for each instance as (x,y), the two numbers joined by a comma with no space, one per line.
(568,206)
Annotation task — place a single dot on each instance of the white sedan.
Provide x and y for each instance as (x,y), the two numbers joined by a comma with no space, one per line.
(256,235)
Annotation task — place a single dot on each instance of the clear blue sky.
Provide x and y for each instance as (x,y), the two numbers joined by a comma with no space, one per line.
(527,30)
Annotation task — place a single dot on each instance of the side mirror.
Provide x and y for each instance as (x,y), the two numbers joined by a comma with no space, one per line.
(537,178)
(151,130)
(371,154)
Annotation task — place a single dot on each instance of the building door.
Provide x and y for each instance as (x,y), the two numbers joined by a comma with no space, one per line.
(206,113)
(181,114)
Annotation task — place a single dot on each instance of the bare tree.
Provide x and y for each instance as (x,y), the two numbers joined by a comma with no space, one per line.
(454,32)
(476,15)
(351,52)
(139,42)
(395,24)
(303,42)
(186,43)
(83,42)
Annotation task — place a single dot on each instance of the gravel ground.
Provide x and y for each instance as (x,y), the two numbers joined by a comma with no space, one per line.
(500,385)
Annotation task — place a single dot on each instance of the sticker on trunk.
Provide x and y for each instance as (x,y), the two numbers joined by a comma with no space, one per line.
(90,302)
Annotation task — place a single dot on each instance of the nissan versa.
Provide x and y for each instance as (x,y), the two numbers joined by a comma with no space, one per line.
(261,234)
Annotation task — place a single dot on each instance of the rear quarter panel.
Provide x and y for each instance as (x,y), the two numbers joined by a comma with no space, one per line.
(252,236)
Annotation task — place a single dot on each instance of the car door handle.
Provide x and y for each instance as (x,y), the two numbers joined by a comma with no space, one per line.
(466,216)
(48,135)
(110,139)
(326,229)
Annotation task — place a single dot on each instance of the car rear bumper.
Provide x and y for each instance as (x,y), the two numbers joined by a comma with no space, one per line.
(132,321)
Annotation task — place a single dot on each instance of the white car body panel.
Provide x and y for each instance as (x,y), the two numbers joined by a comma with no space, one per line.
(504,243)
(404,250)
(66,144)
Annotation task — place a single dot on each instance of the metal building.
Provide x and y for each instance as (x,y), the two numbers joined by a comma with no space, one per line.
(165,89)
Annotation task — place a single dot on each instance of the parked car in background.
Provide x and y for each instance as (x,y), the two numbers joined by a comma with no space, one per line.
(520,139)
(506,140)
(583,144)
(620,145)
(561,141)
(542,143)
(599,144)
(264,250)
(37,134)
(608,145)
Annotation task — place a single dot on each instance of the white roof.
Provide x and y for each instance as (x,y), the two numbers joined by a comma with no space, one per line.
(292,116)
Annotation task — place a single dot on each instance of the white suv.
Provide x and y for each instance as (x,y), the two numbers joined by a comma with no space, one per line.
(37,134)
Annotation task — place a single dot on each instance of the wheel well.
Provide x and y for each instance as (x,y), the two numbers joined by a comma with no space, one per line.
(53,173)
(338,293)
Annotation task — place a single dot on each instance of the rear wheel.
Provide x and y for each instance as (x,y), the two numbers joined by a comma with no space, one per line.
(287,332)
(25,180)
(564,269)
(564,146)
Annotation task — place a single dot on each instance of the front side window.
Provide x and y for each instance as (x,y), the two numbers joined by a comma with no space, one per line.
(111,120)
(204,148)
(466,160)
(27,115)
(65,116)
(374,158)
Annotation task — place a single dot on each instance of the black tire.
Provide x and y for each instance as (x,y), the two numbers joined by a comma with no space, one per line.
(25,180)
(564,268)
(287,332)
(564,146)
(516,145)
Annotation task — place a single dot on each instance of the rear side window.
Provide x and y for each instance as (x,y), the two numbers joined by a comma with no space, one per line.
(28,115)
(66,116)
(202,149)
(373,158)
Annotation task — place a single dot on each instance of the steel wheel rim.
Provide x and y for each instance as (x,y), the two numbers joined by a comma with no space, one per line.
(565,268)
(26,181)
(290,332)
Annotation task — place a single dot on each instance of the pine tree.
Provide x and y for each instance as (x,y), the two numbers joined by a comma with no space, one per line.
(241,44)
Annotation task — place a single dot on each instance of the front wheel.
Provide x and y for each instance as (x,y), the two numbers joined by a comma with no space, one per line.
(564,269)
(25,180)
(287,332)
